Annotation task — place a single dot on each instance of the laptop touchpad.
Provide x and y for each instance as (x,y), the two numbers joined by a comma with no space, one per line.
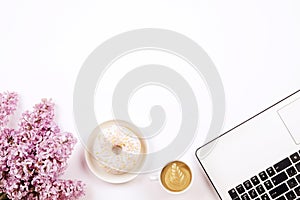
(290,115)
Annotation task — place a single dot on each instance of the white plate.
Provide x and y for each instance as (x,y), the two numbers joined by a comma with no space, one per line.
(99,171)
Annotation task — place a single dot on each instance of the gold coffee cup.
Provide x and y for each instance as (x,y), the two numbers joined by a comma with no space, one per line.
(176,177)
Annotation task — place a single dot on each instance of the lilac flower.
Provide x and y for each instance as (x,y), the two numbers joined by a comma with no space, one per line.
(33,156)
(8,104)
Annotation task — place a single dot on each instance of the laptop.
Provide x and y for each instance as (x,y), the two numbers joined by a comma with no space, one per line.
(258,159)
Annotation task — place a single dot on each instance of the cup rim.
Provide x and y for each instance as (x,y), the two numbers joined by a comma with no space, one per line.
(180,192)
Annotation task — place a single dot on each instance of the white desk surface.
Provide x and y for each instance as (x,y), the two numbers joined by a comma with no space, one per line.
(255,46)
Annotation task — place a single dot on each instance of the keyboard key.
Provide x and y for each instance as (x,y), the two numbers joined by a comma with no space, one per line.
(290,195)
(260,189)
(240,189)
(295,157)
(281,198)
(247,185)
(279,190)
(255,180)
(298,166)
(291,171)
(268,184)
(253,193)
(263,176)
(282,165)
(265,197)
(298,178)
(271,171)
(297,190)
(245,197)
(233,194)
(278,187)
(279,178)
(292,183)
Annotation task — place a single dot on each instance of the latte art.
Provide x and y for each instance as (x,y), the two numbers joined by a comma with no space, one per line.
(176,176)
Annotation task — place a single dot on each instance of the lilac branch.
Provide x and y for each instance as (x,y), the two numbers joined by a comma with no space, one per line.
(34,156)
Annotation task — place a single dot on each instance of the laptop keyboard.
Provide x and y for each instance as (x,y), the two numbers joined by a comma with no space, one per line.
(280,182)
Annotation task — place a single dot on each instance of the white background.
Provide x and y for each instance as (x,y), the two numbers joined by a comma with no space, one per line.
(254,44)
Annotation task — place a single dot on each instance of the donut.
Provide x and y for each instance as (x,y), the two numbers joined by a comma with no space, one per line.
(117,149)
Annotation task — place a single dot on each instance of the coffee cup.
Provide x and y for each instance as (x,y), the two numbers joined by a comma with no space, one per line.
(175,177)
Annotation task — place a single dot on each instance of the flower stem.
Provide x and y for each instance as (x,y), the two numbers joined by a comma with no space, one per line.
(3,196)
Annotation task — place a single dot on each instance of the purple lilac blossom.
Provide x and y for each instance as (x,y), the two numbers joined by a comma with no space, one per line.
(34,156)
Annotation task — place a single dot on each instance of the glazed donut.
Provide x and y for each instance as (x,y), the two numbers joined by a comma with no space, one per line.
(117,149)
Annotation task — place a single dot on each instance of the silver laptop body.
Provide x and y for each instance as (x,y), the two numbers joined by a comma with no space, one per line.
(269,140)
